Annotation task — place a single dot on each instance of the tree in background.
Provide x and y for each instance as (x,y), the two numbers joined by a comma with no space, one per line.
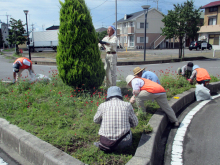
(1,40)
(16,36)
(184,19)
(78,56)
(101,35)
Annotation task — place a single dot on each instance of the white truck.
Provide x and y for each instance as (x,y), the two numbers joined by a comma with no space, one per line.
(43,40)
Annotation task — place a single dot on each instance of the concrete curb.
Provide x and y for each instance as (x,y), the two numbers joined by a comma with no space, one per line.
(149,143)
(125,63)
(31,148)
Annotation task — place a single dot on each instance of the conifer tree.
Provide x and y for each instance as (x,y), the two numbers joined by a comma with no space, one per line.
(78,56)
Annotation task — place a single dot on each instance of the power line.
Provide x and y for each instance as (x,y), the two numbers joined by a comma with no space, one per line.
(99,5)
(104,18)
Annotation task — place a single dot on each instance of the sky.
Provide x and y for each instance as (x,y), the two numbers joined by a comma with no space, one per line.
(45,13)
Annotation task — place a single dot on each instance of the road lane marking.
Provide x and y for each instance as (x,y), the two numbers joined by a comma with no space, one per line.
(177,147)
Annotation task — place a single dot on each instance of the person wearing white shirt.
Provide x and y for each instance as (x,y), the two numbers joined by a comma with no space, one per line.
(20,65)
(109,43)
(144,89)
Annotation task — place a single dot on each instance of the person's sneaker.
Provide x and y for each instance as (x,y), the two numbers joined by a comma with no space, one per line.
(96,144)
(176,124)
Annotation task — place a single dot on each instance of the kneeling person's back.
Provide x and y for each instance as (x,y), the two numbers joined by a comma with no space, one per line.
(116,117)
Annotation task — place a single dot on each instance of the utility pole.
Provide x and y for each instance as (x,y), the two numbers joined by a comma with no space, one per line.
(32,27)
(116,23)
(7,27)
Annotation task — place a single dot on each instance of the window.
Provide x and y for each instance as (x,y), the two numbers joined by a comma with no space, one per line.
(131,40)
(141,39)
(125,25)
(131,24)
(214,39)
(212,20)
(212,9)
(142,25)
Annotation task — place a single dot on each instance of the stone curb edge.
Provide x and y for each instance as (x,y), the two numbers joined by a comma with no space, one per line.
(31,148)
(130,62)
(149,143)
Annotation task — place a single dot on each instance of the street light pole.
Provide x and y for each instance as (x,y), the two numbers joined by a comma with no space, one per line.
(28,41)
(145,7)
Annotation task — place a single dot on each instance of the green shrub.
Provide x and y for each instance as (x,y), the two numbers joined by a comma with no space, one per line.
(78,56)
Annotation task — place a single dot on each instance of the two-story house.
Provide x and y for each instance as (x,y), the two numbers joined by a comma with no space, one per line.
(130,30)
(210,32)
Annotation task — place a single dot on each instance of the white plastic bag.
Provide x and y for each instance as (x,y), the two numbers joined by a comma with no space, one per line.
(202,93)
(39,77)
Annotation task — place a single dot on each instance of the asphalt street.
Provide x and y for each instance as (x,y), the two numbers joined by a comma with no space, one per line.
(202,138)
(211,65)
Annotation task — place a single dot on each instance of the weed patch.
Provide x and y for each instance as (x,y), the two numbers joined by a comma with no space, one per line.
(63,116)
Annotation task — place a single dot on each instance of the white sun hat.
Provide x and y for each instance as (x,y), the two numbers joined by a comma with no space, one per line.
(129,78)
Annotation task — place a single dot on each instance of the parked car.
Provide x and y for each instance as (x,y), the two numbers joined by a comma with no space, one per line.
(197,45)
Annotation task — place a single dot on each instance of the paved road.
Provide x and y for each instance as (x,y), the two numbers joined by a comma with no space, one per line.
(201,142)
(212,65)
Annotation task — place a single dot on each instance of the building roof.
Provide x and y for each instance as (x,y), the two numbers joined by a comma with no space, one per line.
(211,4)
(134,15)
(130,16)
(53,27)
(101,29)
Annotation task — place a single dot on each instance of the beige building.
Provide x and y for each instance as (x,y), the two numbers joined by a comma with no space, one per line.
(130,30)
(210,32)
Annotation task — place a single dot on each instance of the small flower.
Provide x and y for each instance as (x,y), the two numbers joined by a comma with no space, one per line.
(58,111)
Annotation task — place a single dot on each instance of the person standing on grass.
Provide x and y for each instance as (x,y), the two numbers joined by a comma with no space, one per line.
(116,118)
(186,70)
(144,89)
(201,75)
(141,73)
(110,44)
(20,65)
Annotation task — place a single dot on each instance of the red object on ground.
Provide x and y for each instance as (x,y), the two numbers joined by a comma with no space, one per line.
(21,51)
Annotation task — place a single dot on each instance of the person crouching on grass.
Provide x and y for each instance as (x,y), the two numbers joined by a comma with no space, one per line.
(20,65)
(144,89)
(116,118)
(201,75)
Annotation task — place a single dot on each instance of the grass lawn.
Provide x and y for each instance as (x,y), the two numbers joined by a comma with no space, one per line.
(63,116)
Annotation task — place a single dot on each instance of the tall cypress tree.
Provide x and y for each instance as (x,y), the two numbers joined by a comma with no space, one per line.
(78,56)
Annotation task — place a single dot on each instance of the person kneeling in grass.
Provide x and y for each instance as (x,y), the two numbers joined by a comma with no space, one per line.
(201,75)
(144,89)
(186,70)
(116,118)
